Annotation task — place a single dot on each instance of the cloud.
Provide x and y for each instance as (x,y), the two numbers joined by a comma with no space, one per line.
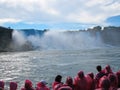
(55,11)
(10,20)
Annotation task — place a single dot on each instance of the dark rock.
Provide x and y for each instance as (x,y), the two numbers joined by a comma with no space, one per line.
(5,38)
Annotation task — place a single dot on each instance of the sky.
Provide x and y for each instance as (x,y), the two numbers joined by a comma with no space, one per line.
(59,14)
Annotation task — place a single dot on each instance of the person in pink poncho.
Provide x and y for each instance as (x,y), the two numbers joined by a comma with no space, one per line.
(42,85)
(68,84)
(13,86)
(2,84)
(80,81)
(28,85)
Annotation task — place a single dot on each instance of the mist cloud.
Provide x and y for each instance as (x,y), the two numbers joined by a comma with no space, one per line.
(60,40)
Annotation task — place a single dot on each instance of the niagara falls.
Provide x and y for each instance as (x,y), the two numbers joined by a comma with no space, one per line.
(59,45)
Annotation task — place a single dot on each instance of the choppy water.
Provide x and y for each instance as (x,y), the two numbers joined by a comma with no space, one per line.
(37,65)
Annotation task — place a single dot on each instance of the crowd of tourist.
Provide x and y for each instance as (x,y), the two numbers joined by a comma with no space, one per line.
(105,79)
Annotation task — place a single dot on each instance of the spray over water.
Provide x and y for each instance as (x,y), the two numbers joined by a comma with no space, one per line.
(60,40)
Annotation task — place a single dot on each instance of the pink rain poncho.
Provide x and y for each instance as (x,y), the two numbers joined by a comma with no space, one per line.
(80,81)
(28,85)
(13,86)
(2,84)
(42,86)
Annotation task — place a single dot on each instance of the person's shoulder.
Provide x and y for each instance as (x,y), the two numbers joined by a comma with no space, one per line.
(22,88)
(66,87)
(46,88)
(98,89)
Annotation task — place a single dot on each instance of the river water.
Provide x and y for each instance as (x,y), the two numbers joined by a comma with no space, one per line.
(46,64)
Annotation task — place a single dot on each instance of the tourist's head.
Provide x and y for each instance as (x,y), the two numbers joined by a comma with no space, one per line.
(105,84)
(99,68)
(43,82)
(69,80)
(113,79)
(81,74)
(28,84)
(13,86)
(108,68)
(91,75)
(58,78)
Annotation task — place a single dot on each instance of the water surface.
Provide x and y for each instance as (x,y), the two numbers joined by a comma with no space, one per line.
(38,65)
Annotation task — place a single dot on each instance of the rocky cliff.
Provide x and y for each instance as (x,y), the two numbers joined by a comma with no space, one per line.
(5,38)
(109,35)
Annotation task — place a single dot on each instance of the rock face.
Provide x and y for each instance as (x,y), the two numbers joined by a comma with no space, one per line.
(5,38)
(109,35)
